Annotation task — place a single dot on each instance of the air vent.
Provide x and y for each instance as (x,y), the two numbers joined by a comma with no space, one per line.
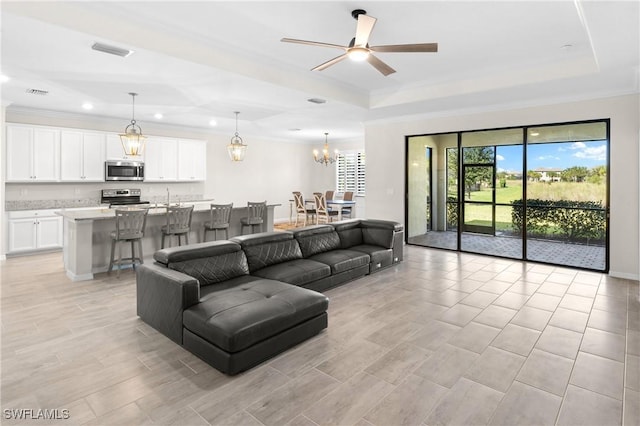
(37,92)
(113,50)
(317,100)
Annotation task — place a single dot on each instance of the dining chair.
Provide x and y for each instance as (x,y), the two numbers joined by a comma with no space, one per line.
(321,208)
(178,223)
(348,196)
(130,225)
(219,219)
(301,208)
(255,212)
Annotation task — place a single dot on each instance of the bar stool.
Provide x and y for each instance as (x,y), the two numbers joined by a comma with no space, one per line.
(254,216)
(178,223)
(130,224)
(220,216)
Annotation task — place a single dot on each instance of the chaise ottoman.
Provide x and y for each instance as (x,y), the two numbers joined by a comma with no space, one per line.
(236,328)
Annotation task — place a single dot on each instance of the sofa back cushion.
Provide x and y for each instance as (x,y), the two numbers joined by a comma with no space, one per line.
(268,248)
(349,233)
(316,239)
(210,263)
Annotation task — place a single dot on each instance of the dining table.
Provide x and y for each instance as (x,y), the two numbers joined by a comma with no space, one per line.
(335,202)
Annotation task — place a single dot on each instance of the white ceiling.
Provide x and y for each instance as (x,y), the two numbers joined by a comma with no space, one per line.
(197,61)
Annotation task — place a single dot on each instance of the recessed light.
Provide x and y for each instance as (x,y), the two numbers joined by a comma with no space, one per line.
(4,78)
(213,123)
(87,106)
(535,134)
(157,116)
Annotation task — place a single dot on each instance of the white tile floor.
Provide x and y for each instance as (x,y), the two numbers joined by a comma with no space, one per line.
(442,338)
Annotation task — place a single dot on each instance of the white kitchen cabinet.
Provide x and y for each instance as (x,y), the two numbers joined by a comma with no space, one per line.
(82,156)
(192,160)
(33,154)
(161,160)
(32,230)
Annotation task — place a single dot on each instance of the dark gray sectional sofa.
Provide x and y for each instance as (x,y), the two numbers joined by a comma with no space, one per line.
(237,303)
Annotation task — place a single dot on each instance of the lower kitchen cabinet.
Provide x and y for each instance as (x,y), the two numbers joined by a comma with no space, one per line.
(33,230)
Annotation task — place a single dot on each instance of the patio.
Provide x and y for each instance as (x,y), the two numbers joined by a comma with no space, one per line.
(559,253)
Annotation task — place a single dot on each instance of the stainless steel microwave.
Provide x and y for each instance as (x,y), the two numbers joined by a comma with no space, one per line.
(123,170)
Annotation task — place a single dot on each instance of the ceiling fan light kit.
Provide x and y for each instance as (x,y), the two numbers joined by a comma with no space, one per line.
(359,49)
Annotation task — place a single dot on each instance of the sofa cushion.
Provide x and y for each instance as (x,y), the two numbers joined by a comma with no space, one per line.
(268,248)
(210,263)
(297,271)
(233,282)
(380,257)
(349,232)
(342,260)
(316,239)
(236,318)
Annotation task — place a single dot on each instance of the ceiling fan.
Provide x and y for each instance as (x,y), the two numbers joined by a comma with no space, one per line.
(359,49)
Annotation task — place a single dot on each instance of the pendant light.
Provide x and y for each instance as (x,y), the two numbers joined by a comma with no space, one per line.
(326,158)
(132,139)
(236,148)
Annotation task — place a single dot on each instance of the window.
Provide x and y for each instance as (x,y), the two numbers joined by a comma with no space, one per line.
(350,172)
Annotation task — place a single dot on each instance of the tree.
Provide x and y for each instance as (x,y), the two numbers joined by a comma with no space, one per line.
(597,174)
(574,174)
(553,176)
(476,176)
(533,175)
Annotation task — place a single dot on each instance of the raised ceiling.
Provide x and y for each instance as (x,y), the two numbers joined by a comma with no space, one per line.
(198,61)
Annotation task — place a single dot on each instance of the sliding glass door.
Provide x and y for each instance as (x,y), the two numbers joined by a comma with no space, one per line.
(533,193)
(567,191)
(431,213)
(491,172)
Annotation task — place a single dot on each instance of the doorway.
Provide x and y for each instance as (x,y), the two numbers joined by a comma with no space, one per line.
(535,193)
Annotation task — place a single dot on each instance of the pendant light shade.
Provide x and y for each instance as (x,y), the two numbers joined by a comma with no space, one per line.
(236,148)
(326,158)
(132,139)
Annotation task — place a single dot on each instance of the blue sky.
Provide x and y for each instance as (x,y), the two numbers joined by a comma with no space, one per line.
(553,155)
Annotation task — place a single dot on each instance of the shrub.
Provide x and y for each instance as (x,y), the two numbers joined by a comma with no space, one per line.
(452,213)
(571,220)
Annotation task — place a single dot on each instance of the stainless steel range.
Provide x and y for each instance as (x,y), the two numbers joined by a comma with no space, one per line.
(122,197)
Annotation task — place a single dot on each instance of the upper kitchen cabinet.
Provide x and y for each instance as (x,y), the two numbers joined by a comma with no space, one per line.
(33,154)
(82,156)
(161,160)
(192,160)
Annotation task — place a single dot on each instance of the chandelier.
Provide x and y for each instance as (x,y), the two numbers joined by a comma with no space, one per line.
(132,139)
(326,158)
(236,148)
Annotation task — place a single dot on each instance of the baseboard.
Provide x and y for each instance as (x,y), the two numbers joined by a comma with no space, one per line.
(81,277)
(625,275)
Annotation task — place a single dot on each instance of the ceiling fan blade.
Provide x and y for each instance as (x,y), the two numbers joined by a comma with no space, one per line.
(313,43)
(379,65)
(330,62)
(363,29)
(417,47)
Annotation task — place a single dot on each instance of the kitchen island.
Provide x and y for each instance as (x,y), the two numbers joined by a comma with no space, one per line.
(87,234)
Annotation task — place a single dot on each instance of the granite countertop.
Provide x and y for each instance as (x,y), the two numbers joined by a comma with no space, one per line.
(97,213)
(17,205)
